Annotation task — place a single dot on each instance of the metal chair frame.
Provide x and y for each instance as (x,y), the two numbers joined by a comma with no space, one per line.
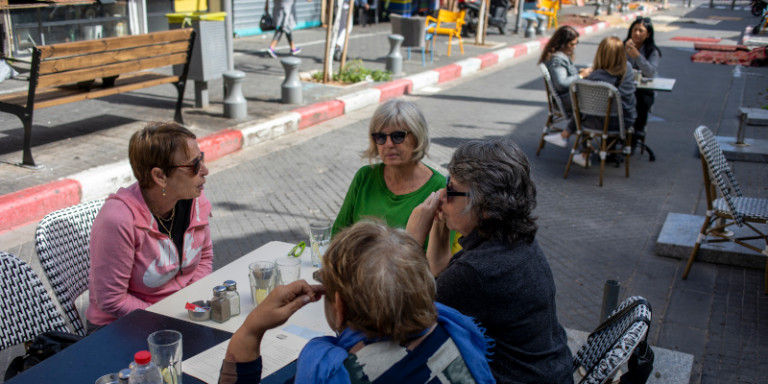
(730,208)
(447,17)
(27,308)
(556,111)
(62,241)
(599,99)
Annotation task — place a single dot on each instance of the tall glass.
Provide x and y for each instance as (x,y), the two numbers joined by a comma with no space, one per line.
(165,347)
(262,278)
(319,237)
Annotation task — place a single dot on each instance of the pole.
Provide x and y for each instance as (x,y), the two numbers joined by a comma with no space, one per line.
(327,64)
(519,17)
(229,32)
(610,298)
(346,35)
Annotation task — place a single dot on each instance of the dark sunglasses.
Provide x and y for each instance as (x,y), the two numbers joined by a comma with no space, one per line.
(450,192)
(397,137)
(646,20)
(196,165)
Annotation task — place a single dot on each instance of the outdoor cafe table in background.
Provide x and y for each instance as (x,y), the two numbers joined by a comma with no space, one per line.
(111,349)
(656,84)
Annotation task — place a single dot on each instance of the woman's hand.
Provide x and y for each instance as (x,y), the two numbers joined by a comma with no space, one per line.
(420,221)
(584,72)
(631,49)
(275,310)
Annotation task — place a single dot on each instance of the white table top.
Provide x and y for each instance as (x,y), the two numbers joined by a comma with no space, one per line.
(311,316)
(657,84)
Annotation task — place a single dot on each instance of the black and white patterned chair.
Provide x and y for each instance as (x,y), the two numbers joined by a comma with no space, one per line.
(62,241)
(726,205)
(556,112)
(598,100)
(612,343)
(27,309)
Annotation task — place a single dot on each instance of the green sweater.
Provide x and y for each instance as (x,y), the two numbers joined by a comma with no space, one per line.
(368,196)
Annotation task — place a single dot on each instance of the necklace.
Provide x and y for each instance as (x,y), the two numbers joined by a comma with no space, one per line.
(171,219)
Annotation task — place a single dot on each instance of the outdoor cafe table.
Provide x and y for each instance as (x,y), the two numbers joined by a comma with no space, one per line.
(111,349)
(657,84)
(311,316)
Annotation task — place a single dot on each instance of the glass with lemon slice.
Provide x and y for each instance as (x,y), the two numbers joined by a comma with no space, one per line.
(261,275)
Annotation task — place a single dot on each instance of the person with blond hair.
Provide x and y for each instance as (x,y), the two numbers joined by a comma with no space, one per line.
(151,239)
(379,298)
(610,66)
(558,56)
(398,137)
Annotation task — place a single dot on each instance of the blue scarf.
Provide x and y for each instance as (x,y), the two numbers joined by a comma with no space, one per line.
(322,359)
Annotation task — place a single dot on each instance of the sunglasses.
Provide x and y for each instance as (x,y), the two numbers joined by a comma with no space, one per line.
(397,137)
(450,192)
(196,165)
(646,20)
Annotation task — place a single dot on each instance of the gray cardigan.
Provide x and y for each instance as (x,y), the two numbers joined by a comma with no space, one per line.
(626,89)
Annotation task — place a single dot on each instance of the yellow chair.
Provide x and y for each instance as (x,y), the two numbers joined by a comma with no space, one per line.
(549,8)
(438,26)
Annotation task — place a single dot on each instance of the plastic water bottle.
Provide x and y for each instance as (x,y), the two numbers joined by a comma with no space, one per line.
(145,371)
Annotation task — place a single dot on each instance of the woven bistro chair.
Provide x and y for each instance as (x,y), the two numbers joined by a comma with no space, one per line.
(603,101)
(27,309)
(726,205)
(556,113)
(62,241)
(611,345)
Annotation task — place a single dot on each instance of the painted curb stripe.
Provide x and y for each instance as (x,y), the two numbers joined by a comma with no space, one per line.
(319,112)
(394,89)
(360,99)
(280,125)
(448,73)
(221,143)
(424,79)
(488,59)
(32,204)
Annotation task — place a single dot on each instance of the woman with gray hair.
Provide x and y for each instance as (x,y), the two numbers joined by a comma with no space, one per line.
(501,277)
(391,189)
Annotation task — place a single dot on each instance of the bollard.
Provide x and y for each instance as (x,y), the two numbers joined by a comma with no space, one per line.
(529,30)
(610,298)
(541,28)
(624,7)
(598,10)
(235,106)
(394,58)
(291,88)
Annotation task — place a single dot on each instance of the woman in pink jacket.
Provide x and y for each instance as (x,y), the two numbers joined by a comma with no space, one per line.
(152,238)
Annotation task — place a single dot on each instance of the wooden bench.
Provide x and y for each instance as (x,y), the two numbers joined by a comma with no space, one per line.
(69,72)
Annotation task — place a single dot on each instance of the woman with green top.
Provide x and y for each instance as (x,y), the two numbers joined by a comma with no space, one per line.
(389,190)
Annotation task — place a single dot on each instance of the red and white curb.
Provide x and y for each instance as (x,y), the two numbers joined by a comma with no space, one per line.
(31,204)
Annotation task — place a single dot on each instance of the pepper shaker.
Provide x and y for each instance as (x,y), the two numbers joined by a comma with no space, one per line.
(220,307)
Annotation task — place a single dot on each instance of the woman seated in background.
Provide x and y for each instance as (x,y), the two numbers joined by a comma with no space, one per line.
(379,298)
(610,66)
(152,238)
(643,55)
(558,56)
(389,190)
(501,278)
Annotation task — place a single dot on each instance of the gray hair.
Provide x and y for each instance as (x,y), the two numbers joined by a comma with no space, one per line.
(501,192)
(405,116)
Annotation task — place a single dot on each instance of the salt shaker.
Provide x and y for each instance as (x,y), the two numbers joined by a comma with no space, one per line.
(233,296)
(220,307)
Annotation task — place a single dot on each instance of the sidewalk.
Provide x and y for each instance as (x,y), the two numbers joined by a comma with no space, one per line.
(83,146)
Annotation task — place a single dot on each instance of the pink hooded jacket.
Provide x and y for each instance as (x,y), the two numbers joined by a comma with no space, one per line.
(133,265)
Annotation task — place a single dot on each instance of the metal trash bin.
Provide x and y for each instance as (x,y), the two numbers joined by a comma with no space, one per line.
(209,56)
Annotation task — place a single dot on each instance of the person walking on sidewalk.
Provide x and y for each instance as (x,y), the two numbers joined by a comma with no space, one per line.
(643,55)
(285,15)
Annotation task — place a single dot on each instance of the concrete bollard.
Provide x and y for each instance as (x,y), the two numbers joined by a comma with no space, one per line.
(291,88)
(530,31)
(394,58)
(541,27)
(235,105)
(610,298)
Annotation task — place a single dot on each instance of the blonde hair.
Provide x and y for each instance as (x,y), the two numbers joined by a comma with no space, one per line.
(611,56)
(383,278)
(154,146)
(403,115)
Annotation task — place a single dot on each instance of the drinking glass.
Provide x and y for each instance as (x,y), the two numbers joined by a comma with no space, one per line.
(262,278)
(319,237)
(288,269)
(165,347)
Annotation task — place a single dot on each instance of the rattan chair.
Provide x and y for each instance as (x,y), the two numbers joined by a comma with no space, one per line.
(556,113)
(611,345)
(62,241)
(726,205)
(599,100)
(27,309)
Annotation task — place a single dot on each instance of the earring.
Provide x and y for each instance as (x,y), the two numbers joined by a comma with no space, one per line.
(163,191)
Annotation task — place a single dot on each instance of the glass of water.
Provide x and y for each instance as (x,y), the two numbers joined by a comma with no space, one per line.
(319,237)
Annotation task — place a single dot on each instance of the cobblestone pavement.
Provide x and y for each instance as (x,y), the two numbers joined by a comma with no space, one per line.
(589,234)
